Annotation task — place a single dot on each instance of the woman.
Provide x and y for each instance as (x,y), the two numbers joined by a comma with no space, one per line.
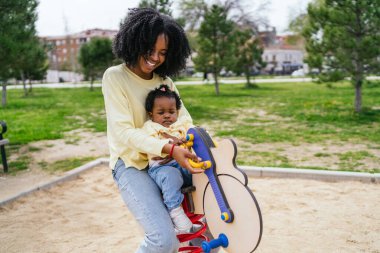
(153,47)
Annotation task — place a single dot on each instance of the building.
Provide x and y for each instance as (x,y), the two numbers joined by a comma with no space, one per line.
(283,54)
(282,60)
(63,51)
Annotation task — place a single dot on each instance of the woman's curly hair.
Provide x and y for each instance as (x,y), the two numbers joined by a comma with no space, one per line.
(138,34)
(162,91)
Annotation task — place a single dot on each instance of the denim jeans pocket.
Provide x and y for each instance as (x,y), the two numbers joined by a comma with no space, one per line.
(120,174)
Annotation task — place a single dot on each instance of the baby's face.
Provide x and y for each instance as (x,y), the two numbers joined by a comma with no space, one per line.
(164,111)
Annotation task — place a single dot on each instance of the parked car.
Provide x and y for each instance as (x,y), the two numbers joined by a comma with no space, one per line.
(299,72)
(197,74)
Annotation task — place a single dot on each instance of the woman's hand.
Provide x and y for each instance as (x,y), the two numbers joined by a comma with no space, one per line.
(182,155)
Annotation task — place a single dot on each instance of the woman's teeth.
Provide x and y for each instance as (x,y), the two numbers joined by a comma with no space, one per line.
(150,63)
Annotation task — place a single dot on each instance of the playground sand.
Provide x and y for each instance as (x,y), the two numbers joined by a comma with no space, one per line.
(88,215)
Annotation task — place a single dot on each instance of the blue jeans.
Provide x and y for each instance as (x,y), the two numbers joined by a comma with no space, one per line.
(170,178)
(143,198)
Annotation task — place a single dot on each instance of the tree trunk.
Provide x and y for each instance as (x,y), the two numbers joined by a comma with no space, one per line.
(92,84)
(216,83)
(24,83)
(358,95)
(247,76)
(4,95)
(30,85)
(248,84)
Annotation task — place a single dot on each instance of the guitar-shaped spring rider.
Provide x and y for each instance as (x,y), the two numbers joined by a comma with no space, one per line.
(221,193)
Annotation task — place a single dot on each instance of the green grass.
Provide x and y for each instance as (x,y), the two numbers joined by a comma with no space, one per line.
(306,112)
(351,160)
(18,165)
(294,113)
(48,113)
(65,165)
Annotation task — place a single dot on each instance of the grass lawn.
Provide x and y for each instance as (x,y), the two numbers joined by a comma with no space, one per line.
(295,114)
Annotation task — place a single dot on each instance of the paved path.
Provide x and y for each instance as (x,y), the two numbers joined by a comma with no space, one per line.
(222,81)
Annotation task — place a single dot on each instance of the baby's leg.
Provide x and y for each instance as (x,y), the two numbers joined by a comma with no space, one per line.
(169,180)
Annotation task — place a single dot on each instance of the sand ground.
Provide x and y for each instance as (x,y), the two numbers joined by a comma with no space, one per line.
(88,215)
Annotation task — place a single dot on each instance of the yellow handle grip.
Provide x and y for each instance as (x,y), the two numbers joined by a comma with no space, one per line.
(189,144)
(200,165)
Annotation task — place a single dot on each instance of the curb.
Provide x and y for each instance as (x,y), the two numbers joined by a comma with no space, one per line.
(322,175)
(72,174)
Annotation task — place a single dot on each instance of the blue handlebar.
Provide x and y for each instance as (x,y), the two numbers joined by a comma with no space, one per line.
(222,240)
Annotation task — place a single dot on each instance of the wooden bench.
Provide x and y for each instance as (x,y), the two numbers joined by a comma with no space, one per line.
(3,142)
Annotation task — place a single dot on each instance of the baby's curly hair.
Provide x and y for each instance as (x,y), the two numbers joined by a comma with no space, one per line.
(162,91)
(138,34)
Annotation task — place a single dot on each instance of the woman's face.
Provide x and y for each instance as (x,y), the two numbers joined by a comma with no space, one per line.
(147,63)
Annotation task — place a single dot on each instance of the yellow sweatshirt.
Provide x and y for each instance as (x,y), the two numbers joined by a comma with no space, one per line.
(124,99)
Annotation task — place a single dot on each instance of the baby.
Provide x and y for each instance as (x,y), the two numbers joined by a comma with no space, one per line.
(162,106)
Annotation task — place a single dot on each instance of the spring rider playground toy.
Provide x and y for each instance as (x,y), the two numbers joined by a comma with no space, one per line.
(222,197)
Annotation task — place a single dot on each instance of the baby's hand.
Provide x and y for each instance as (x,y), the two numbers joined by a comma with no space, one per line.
(174,140)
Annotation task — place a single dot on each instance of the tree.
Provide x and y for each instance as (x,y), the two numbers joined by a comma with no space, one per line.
(247,53)
(343,39)
(17,29)
(297,24)
(250,14)
(40,61)
(192,11)
(94,57)
(163,6)
(32,63)
(214,40)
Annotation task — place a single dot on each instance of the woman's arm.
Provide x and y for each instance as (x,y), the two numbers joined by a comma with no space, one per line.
(120,125)
(182,156)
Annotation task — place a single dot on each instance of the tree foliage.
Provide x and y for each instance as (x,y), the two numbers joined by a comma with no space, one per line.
(21,54)
(214,40)
(163,6)
(32,63)
(94,57)
(247,51)
(192,11)
(343,39)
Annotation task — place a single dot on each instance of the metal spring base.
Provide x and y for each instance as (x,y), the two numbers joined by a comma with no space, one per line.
(201,226)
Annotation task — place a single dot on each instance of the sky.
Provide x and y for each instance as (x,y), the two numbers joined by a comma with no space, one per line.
(61,17)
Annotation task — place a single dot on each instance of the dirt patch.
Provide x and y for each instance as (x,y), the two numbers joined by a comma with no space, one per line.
(76,144)
(330,155)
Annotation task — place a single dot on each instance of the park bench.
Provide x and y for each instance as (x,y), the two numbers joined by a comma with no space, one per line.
(3,142)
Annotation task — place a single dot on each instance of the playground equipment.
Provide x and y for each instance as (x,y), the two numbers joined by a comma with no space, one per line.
(3,142)
(220,195)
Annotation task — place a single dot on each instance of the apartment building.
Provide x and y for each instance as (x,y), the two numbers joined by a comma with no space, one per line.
(63,51)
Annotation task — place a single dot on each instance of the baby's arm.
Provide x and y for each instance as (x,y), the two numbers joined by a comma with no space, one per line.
(174,140)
